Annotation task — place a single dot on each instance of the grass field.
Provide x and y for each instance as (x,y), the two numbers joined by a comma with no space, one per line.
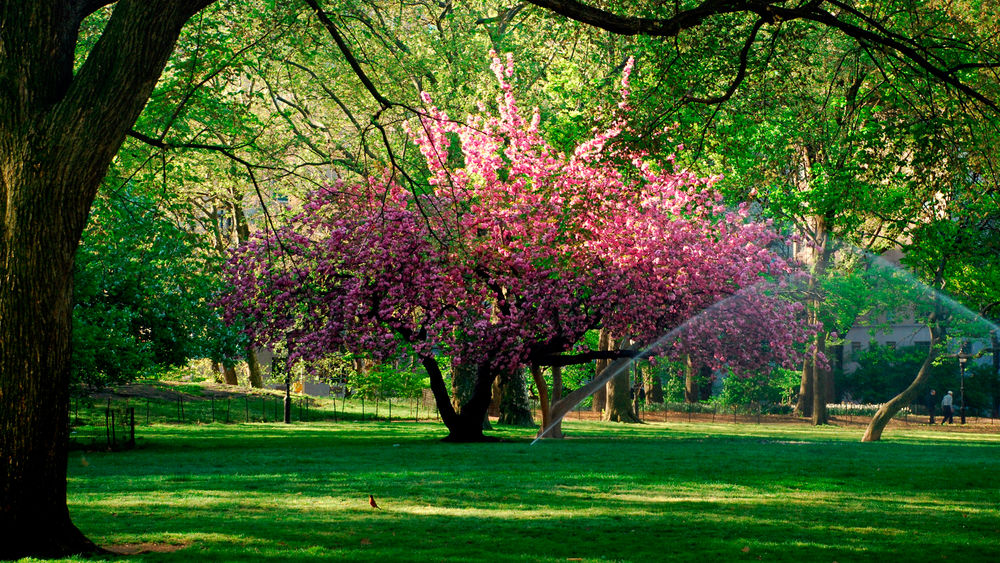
(659,491)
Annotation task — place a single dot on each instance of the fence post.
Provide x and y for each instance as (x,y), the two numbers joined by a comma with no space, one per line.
(131,426)
(213,408)
(114,439)
(246,403)
(107,425)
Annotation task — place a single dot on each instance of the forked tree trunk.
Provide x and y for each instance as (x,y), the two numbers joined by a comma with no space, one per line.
(467,425)
(815,384)
(59,131)
(464,379)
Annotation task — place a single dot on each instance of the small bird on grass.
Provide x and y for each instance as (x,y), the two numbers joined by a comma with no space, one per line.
(371,501)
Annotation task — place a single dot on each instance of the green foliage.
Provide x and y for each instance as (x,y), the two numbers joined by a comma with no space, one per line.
(884,372)
(142,296)
(759,390)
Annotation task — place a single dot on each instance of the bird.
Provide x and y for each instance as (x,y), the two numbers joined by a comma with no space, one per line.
(371,501)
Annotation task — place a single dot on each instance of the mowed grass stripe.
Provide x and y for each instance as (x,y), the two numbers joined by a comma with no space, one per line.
(679,492)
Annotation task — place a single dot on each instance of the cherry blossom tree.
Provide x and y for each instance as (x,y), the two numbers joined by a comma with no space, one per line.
(512,252)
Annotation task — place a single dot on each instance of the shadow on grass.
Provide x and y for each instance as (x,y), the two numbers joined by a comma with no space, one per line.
(646,494)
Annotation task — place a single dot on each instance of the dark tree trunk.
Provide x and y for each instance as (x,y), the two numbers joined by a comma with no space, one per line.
(58,134)
(515,410)
(653,386)
(804,403)
(820,384)
(464,380)
(466,426)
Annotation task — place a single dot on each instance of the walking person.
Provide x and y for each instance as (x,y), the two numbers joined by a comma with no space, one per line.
(931,404)
(946,409)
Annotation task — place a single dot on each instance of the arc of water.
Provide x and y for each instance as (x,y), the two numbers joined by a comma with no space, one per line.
(563,407)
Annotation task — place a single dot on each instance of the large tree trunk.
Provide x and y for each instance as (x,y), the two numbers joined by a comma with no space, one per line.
(551,428)
(820,382)
(804,404)
(652,385)
(229,374)
(256,381)
(59,131)
(464,379)
(515,410)
(619,392)
(465,426)
(814,390)
(599,401)
(692,373)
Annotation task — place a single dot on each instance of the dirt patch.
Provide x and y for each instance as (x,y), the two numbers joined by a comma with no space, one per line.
(145,547)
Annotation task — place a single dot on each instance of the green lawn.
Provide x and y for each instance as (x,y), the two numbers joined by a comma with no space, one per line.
(677,491)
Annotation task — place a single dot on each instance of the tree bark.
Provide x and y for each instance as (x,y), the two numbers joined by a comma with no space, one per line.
(515,410)
(59,132)
(600,398)
(820,377)
(804,403)
(653,386)
(691,373)
(465,426)
(551,428)
(464,379)
(888,409)
(256,381)
(619,392)
(229,374)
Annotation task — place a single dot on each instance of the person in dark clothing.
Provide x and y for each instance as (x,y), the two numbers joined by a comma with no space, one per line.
(931,404)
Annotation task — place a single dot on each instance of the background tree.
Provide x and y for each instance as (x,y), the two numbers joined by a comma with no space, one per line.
(141,294)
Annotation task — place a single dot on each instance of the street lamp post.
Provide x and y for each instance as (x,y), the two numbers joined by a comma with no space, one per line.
(961,374)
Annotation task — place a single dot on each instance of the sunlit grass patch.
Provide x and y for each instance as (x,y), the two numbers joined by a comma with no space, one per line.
(684,492)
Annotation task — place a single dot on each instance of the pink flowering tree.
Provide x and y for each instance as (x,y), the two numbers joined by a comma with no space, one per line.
(511,254)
